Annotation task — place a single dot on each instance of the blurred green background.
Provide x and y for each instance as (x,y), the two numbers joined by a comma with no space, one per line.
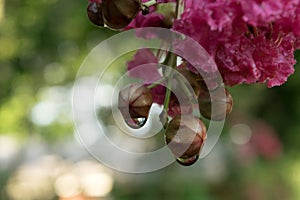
(42,44)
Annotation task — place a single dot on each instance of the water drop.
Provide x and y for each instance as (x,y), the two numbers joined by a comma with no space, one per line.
(136,123)
(141,121)
(187,161)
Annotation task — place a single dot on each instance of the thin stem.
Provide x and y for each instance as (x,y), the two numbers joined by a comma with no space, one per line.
(156,83)
(168,92)
(150,3)
(177,9)
(158,54)
(167,59)
(172,60)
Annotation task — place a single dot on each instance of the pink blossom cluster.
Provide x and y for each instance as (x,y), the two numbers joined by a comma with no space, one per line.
(251,41)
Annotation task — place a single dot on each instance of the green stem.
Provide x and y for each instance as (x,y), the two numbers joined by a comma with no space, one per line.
(172,61)
(153,85)
(150,3)
(177,9)
(168,92)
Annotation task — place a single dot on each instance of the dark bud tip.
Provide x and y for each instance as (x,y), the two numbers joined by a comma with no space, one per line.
(187,161)
(94,13)
(117,14)
(145,10)
(134,104)
(185,137)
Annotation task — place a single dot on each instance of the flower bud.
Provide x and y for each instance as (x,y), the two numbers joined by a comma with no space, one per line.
(116,14)
(192,79)
(134,103)
(185,136)
(95,13)
(222,104)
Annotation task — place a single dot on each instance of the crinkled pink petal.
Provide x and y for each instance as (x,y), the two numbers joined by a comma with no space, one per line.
(244,55)
(260,13)
(195,54)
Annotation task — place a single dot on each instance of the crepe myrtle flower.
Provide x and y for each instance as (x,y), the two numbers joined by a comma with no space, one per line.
(250,41)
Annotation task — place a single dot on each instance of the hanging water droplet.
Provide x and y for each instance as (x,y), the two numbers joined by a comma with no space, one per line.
(136,122)
(141,121)
(187,161)
(135,102)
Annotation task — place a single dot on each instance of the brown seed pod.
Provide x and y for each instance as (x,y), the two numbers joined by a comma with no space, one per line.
(192,79)
(134,103)
(94,13)
(223,104)
(117,14)
(185,136)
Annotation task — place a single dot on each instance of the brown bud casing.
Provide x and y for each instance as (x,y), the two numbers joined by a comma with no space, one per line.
(192,79)
(94,13)
(134,103)
(223,104)
(116,14)
(185,137)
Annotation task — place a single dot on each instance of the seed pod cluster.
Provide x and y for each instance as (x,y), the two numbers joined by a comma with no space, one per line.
(219,99)
(186,134)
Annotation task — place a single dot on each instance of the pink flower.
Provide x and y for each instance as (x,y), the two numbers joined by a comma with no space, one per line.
(144,66)
(256,60)
(251,41)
